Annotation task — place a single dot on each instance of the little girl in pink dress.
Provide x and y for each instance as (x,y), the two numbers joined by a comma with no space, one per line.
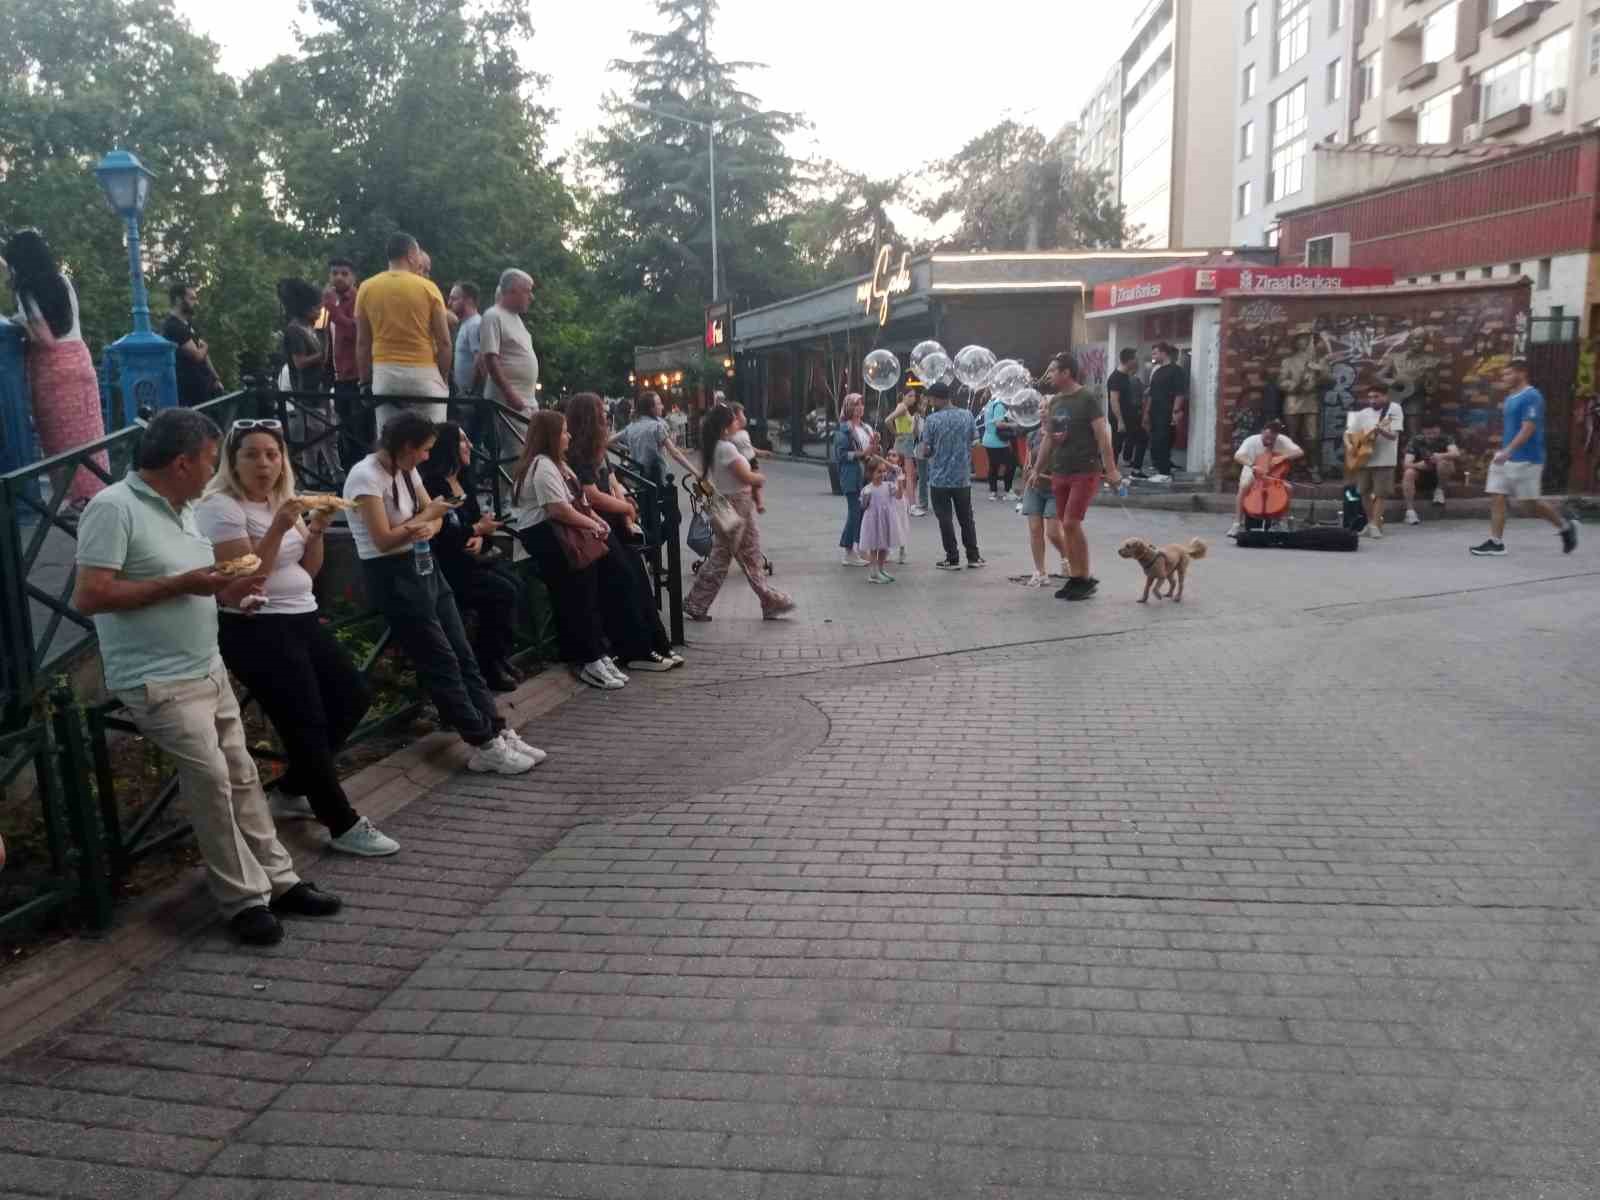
(879,533)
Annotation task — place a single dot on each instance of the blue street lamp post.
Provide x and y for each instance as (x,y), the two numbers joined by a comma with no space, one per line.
(143,362)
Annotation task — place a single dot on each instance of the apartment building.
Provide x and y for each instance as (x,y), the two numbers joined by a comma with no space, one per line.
(1465,71)
(1291,84)
(1166,133)
(1100,127)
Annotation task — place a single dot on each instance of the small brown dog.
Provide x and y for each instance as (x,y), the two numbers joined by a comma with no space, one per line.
(1163,563)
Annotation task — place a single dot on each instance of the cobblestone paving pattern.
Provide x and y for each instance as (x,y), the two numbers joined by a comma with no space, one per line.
(1289,893)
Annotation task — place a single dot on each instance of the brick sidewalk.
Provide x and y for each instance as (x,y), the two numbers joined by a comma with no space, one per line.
(1202,907)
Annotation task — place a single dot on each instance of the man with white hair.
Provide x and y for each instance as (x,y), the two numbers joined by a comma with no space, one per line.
(506,348)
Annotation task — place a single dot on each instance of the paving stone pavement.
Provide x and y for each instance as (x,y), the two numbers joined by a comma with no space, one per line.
(940,890)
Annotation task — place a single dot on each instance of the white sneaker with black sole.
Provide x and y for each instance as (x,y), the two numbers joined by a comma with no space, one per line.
(656,662)
(496,757)
(598,676)
(514,740)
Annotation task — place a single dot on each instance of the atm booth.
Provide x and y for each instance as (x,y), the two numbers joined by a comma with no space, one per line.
(1183,305)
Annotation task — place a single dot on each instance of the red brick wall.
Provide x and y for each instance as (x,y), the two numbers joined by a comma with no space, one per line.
(1462,336)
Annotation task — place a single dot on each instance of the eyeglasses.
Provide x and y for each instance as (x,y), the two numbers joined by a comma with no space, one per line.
(270,425)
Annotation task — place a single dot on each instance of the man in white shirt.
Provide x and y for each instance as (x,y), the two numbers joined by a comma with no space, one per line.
(505,346)
(1381,422)
(1271,440)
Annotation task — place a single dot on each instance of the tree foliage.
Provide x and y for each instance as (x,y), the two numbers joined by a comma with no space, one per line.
(847,218)
(1016,190)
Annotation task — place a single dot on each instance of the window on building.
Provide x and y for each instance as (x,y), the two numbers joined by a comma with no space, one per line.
(1461,276)
(1252,21)
(1336,80)
(1247,139)
(1288,134)
(1246,198)
(1369,76)
(1594,51)
(1505,85)
(1438,278)
(1550,58)
(1248,84)
(1272,237)
(1294,32)
(1433,118)
(1514,270)
(1337,9)
(1367,137)
(1439,33)
(1379,9)
(1499,8)
(1488,272)
(1544,275)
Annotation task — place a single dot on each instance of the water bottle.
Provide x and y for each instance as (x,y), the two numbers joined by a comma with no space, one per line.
(422,557)
(1122,489)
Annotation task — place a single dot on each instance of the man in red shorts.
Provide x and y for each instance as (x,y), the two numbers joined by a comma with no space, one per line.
(1079,448)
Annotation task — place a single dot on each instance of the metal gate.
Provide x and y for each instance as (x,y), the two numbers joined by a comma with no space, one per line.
(1553,368)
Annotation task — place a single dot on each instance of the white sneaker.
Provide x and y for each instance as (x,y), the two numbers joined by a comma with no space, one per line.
(1438,495)
(918,511)
(1158,479)
(513,742)
(656,662)
(290,808)
(615,669)
(496,758)
(676,659)
(1366,530)
(850,560)
(1037,580)
(1019,507)
(1233,530)
(1377,531)
(365,840)
(1412,518)
(596,676)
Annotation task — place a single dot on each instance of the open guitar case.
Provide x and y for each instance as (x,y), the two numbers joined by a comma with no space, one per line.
(1310,537)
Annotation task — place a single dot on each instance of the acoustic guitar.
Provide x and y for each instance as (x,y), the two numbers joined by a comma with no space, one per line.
(1359,445)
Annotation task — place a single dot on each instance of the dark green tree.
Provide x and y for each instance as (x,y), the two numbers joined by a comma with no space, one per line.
(838,231)
(80,77)
(649,223)
(1014,189)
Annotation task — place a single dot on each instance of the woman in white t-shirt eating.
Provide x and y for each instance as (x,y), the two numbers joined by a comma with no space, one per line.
(292,666)
(544,494)
(392,523)
(732,477)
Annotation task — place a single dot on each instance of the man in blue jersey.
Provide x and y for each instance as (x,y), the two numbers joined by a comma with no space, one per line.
(1518,467)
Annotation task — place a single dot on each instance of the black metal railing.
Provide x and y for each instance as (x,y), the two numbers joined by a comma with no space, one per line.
(37,572)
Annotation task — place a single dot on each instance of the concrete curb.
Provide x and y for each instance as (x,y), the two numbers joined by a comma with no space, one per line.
(65,980)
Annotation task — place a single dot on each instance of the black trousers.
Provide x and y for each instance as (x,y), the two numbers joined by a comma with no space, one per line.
(425,624)
(1002,467)
(575,595)
(958,500)
(311,692)
(1161,439)
(358,428)
(627,605)
(495,595)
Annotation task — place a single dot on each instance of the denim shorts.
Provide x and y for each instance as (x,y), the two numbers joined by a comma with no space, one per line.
(1038,504)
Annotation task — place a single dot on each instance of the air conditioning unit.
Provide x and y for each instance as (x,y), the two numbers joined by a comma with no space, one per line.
(1329,250)
(1473,132)
(1555,100)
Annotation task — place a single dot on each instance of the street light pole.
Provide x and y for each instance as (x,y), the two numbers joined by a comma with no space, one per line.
(145,369)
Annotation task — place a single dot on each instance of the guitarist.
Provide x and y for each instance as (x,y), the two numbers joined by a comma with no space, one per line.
(1263,451)
(1372,451)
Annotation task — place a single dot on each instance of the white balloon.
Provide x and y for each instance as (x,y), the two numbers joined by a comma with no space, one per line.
(881,369)
(1008,378)
(973,364)
(919,353)
(1026,407)
(934,368)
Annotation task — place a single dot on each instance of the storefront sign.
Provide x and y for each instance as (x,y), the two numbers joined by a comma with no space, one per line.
(884,284)
(1180,283)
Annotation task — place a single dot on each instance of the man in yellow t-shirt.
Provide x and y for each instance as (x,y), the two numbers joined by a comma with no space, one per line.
(402,337)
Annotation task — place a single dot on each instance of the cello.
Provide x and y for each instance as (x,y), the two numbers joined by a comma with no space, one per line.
(1267,497)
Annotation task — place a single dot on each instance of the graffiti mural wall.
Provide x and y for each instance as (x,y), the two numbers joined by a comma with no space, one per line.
(1304,358)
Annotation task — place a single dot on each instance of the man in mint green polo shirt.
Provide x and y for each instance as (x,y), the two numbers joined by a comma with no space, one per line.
(148,578)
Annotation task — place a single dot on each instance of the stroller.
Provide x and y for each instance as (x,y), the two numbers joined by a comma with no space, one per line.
(700,536)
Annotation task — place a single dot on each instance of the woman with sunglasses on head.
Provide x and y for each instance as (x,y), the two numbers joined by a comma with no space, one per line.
(627,603)
(280,650)
(544,494)
(393,524)
(478,579)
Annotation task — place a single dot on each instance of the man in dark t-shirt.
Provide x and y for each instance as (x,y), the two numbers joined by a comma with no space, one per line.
(1078,442)
(1164,403)
(197,378)
(1125,393)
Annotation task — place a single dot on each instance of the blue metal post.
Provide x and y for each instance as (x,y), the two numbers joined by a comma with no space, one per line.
(146,365)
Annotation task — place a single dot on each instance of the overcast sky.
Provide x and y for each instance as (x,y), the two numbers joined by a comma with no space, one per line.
(888,85)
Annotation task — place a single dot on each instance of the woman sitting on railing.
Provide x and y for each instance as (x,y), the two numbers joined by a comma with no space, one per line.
(393,523)
(472,567)
(564,538)
(627,603)
(281,651)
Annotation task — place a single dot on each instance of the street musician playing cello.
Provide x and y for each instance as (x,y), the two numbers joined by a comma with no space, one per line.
(1265,455)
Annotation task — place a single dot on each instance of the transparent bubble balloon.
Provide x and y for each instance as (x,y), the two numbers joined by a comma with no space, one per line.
(929,362)
(973,364)
(881,369)
(1026,407)
(1008,378)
